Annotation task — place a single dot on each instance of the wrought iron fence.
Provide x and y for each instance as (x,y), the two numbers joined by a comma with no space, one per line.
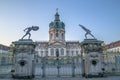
(61,66)
(112,63)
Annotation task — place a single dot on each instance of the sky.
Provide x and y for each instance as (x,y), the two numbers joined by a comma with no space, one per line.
(102,17)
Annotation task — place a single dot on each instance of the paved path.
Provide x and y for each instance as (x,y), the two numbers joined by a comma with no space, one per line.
(103,78)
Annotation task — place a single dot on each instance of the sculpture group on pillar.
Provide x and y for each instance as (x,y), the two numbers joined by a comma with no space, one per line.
(27,30)
(88,32)
(24,52)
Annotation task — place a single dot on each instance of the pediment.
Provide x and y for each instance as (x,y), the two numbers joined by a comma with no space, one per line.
(58,44)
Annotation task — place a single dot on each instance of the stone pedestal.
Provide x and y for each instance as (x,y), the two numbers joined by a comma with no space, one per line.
(91,50)
(24,58)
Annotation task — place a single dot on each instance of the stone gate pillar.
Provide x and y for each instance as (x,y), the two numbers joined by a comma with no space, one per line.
(91,50)
(24,58)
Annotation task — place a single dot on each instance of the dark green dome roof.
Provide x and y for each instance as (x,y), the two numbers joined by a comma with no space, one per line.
(57,23)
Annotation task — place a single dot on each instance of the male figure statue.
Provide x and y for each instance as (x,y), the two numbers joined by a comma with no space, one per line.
(88,32)
(27,30)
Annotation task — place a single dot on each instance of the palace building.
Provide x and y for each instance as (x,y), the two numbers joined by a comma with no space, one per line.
(113,52)
(57,42)
(113,47)
(4,54)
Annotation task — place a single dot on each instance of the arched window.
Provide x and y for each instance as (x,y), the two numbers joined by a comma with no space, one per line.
(52,52)
(62,51)
(57,52)
(51,35)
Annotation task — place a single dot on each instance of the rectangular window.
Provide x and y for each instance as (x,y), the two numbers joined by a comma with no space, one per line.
(72,53)
(62,51)
(76,53)
(46,52)
(67,53)
(41,53)
(52,52)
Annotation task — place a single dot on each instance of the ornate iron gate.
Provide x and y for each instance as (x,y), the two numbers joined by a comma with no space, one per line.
(59,66)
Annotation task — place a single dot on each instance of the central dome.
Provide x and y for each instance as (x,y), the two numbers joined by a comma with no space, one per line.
(57,23)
